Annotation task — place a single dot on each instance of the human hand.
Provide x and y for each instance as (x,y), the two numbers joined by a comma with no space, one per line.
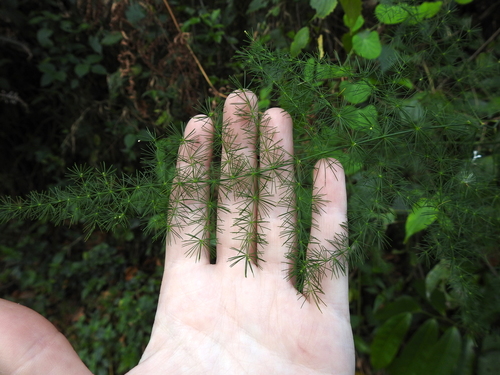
(211,318)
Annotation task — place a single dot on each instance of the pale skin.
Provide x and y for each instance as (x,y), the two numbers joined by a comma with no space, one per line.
(211,319)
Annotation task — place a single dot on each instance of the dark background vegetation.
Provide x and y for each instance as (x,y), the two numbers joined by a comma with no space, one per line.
(81,81)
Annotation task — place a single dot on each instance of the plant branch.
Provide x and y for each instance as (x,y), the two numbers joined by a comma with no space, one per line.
(198,63)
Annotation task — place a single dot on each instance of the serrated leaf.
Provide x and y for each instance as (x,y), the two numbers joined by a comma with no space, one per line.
(323,7)
(355,92)
(415,353)
(423,214)
(111,38)
(445,353)
(82,69)
(441,271)
(367,44)
(388,339)
(390,14)
(300,41)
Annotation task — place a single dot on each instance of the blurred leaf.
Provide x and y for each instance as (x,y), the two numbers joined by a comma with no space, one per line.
(401,305)
(413,358)
(99,69)
(352,10)
(354,26)
(43,36)
(300,41)
(489,359)
(92,59)
(466,366)
(429,9)
(82,69)
(356,92)
(323,7)
(130,140)
(445,354)
(367,44)
(423,214)
(440,272)
(390,14)
(134,13)
(462,2)
(95,44)
(256,5)
(46,79)
(46,67)
(111,38)
(388,339)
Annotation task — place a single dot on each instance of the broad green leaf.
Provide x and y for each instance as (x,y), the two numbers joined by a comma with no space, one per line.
(300,41)
(95,44)
(46,67)
(413,357)
(60,76)
(255,5)
(323,7)
(441,271)
(445,354)
(347,42)
(92,59)
(368,119)
(355,92)
(82,69)
(99,69)
(111,38)
(462,2)
(467,362)
(429,9)
(424,10)
(43,36)
(130,140)
(362,119)
(388,339)
(423,214)
(367,44)
(352,10)
(390,14)
(46,79)
(354,26)
(401,305)
(134,13)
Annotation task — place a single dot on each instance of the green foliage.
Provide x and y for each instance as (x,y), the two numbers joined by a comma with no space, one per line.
(405,96)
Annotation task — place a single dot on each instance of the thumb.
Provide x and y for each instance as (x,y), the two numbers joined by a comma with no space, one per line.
(30,344)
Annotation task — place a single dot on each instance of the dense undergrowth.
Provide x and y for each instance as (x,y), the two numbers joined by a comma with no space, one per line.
(404,94)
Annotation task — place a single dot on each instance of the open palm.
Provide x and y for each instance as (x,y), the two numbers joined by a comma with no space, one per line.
(241,315)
